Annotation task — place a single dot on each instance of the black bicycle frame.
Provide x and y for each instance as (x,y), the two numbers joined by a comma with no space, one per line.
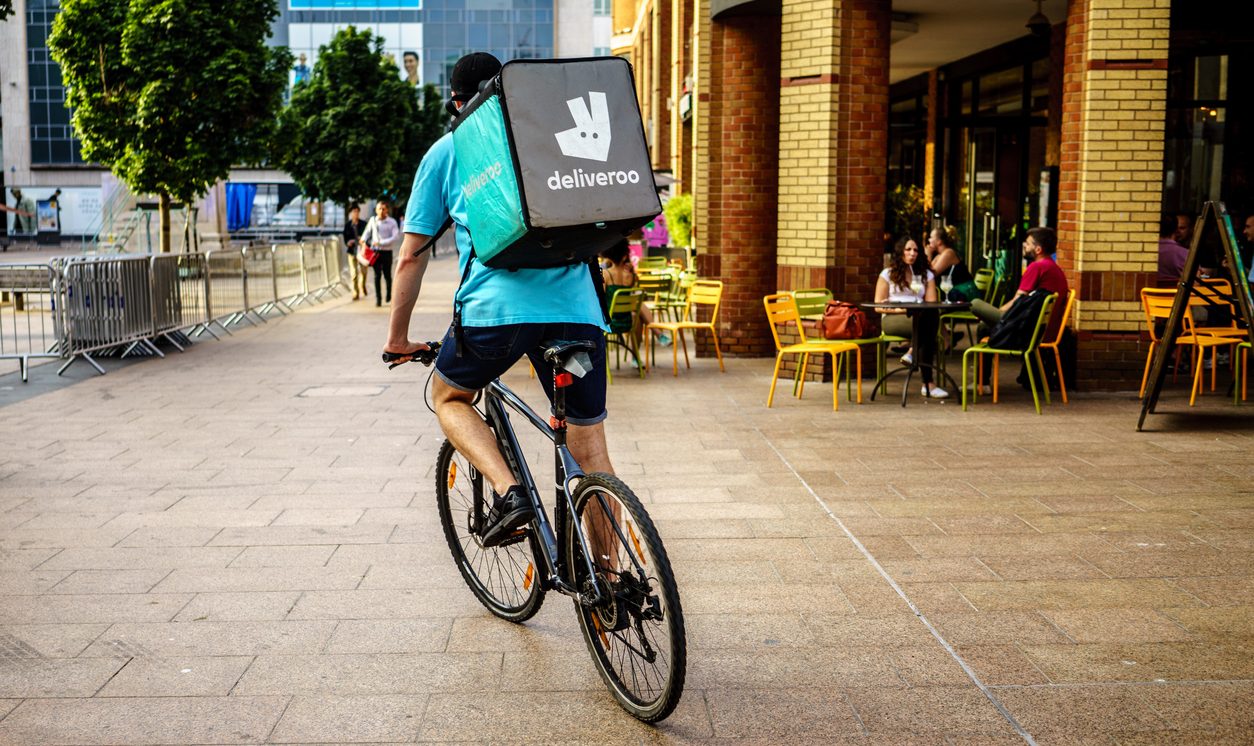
(567,472)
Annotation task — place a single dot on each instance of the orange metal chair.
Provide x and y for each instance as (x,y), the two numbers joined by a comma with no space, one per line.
(781,310)
(1157,303)
(708,293)
(1052,344)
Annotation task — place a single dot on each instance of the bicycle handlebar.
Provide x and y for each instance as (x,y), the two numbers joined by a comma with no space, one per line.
(426,357)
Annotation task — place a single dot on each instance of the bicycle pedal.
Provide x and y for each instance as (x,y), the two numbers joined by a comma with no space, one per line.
(514,538)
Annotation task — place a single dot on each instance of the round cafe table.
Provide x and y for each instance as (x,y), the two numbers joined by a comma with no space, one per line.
(913,310)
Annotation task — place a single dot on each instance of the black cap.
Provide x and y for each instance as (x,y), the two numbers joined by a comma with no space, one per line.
(472,70)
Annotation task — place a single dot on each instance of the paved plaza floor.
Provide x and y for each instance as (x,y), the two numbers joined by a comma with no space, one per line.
(239,544)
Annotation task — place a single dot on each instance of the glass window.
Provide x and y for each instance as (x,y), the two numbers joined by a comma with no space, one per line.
(600,7)
(1001,92)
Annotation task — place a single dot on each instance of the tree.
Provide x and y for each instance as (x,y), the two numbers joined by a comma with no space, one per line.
(169,94)
(355,130)
(6,9)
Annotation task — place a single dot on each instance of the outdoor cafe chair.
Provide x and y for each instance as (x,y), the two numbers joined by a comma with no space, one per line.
(1056,339)
(1241,357)
(651,263)
(1157,303)
(984,283)
(1031,356)
(624,311)
(657,286)
(781,310)
(703,293)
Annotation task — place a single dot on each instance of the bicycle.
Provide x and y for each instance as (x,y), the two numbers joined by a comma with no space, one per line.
(625,596)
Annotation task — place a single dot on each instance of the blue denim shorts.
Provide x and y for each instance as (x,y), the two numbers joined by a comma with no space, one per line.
(489,351)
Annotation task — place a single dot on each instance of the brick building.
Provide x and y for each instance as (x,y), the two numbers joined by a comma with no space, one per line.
(792,121)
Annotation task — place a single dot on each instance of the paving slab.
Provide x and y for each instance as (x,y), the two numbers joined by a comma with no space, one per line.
(143,720)
(235,545)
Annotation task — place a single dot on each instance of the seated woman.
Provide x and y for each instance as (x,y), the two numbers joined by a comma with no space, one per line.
(908,280)
(947,265)
(618,273)
(943,259)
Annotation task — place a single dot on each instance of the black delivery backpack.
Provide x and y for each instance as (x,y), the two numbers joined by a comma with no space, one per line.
(553,162)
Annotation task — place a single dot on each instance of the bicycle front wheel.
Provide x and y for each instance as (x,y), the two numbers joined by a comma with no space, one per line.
(636,636)
(504,578)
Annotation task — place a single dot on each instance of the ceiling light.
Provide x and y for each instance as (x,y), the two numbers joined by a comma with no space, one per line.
(1038,24)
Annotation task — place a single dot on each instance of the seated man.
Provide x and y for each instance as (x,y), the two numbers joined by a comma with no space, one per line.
(1042,273)
(1171,253)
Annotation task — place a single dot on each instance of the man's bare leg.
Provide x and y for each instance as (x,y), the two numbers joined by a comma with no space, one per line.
(587,445)
(469,434)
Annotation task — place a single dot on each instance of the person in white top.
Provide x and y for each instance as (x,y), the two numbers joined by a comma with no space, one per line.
(382,234)
(907,279)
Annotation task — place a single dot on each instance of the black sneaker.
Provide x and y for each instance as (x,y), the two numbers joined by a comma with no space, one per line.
(509,512)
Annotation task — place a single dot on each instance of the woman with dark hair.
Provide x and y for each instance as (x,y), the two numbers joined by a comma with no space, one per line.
(909,280)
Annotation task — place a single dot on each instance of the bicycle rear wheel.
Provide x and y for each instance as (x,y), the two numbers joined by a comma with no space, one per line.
(504,578)
(636,637)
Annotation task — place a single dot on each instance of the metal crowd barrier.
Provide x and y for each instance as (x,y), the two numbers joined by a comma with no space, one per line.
(224,278)
(87,306)
(261,289)
(180,296)
(289,276)
(30,325)
(108,307)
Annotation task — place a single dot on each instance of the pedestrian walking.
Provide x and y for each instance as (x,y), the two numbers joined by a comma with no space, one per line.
(353,229)
(382,234)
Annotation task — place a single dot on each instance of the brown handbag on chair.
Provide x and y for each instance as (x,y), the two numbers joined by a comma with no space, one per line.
(845,321)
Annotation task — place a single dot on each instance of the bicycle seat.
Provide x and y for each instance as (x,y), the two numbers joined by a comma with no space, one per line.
(558,351)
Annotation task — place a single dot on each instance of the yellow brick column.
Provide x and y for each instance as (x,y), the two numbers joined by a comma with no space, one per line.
(832,144)
(1114,104)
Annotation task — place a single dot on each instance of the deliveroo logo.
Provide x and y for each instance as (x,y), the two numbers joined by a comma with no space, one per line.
(590,137)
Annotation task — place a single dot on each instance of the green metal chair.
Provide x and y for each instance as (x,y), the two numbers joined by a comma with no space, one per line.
(987,287)
(624,333)
(651,263)
(1031,356)
(657,285)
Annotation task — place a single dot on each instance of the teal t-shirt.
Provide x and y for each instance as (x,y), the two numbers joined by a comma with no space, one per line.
(492,297)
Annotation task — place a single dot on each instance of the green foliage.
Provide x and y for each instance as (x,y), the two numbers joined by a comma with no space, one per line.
(907,212)
(355,130)
(678,211)
(169,94)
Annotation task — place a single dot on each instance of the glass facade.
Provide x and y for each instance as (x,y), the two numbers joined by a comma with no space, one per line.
(52,138)
(438,31)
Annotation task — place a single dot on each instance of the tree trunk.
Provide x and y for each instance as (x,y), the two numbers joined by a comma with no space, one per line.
(165,222)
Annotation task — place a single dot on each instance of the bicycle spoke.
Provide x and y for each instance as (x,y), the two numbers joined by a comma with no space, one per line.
(494,574)
(636,635)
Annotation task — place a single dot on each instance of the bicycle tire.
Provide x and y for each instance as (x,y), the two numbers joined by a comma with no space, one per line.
(505,579)
(643,614)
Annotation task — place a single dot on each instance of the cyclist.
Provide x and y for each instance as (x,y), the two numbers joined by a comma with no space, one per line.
(505,314)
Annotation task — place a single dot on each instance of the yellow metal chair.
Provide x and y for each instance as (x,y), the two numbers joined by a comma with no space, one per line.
(624,335)
(1030,354)
(1157,303)
(1052,344)
(651,263)
(781,310)
(703,293)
